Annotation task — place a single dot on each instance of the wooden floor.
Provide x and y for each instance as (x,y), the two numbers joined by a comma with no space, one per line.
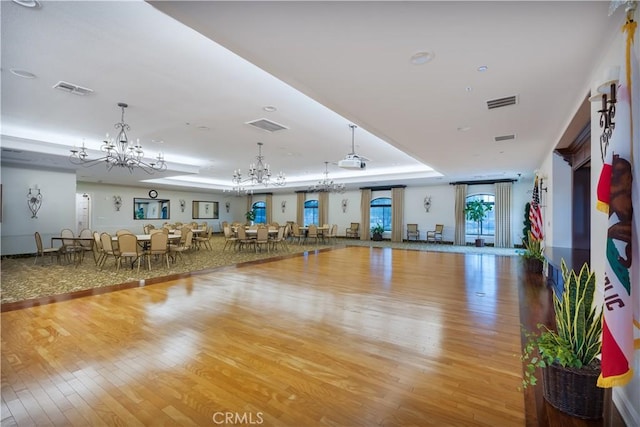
(353,337)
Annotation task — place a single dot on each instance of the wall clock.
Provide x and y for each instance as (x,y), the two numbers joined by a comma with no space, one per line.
(153,194)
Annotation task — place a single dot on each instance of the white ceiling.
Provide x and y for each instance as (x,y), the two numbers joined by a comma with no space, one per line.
(193,73)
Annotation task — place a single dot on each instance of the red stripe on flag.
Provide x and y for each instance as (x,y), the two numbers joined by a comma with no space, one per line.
(603,189)
(617,365)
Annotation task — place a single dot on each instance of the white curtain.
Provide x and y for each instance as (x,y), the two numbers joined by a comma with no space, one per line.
(365,213)
(300,209)
(269,208)
(460,233)
(323,208)
(397,214)
(503,215)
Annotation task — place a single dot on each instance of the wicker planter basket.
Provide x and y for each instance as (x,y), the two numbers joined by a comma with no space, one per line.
(534,265)
(574,391)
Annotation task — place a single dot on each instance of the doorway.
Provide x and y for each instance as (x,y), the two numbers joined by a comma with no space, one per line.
(581,208)
(83,212)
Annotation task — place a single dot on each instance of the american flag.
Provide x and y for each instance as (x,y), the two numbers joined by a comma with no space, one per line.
(535,215)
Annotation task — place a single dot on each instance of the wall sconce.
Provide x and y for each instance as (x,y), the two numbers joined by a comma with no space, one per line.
(34,201)
(345,202)
(227,206)
(427,203)
(606,94)
(183,205)
(542,187)
(117,202)
(283,205)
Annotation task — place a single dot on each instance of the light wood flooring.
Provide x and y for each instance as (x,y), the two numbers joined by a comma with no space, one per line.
(348,337)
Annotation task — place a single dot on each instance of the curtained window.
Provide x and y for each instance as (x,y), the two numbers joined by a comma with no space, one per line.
(486,227)
(380,213)
(460,235)
(261,214)
(310,212)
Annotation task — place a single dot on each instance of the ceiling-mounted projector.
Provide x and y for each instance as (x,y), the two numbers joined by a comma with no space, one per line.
(352,163)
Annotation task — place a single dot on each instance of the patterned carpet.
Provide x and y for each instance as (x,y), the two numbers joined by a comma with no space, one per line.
(22,280)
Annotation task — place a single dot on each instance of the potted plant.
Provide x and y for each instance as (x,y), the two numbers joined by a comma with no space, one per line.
(376,232)
(476,210)
(533,253)
(251,216)
(567,355)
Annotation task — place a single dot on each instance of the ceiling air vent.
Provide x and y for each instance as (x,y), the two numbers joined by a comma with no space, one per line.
(504,137)
(267,125)
(502,102)
(71,88)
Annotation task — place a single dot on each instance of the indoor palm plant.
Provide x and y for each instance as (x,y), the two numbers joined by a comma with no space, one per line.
(251,216)
(476,210)
(376,232)
(568,354)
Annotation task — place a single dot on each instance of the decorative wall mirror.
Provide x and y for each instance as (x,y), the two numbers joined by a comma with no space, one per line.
(204,210)
(151,208)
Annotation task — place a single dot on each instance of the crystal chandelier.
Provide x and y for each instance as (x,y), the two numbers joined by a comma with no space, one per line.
(326,184)
(120,152)
(259,173)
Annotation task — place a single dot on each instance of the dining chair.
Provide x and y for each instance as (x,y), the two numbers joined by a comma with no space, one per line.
(280,238)
(243,239)
(183,247)
(205,240)
(128,248)
(296,233)
(262,239)
(229,238)
(86,245)
(42,251)
(412,231)
(123,231)
(107,250)
(70,248)
(333,234)
(97,247)
(312,233)
(158,246)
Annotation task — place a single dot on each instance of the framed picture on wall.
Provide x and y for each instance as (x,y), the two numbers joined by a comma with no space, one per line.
(201,209)
(151,208)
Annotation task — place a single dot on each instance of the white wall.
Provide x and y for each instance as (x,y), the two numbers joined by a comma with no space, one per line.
(56,212)
(105,217)
(626,398)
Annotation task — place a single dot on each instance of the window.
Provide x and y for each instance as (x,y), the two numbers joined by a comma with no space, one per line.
(260,208)
(310,212)
(488,226)
(381,212)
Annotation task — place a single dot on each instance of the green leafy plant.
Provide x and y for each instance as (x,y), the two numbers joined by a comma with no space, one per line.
(377,229)
(250,215)
(533,246)
(476,210)
(576,341)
